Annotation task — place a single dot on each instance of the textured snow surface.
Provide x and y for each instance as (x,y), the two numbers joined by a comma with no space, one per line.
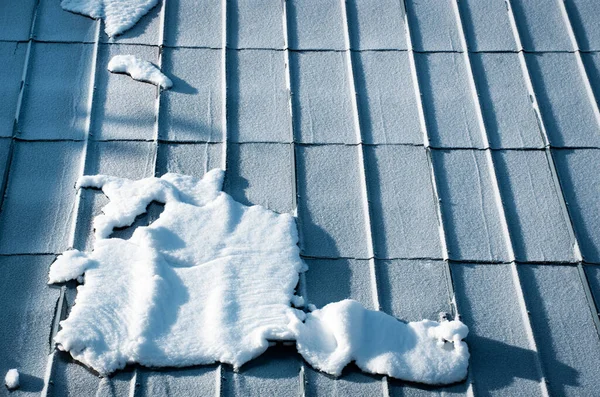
(11,380)
(139,70)
(423,351)
(212,280)
(118,15)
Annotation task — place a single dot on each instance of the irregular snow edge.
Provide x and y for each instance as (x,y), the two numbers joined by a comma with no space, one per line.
(328,338)
(139,70)
(119,15)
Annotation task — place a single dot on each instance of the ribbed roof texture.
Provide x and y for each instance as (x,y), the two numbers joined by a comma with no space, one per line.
(441,156)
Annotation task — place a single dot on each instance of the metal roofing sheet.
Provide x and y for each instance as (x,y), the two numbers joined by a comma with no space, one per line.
(383,151)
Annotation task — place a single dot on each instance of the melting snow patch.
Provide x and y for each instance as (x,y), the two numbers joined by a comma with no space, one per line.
(11,380)
(139,70)
(213,280)
(424,351)
(118,15)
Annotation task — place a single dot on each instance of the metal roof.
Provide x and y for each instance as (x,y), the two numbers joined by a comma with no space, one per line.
(440,155)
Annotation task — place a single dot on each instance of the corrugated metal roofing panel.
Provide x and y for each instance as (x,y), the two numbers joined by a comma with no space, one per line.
(487,25)
(55,101)
(40,197)
(15,22)
(539,227)
(507,109)
(193,111)
(504,356)
(580,181)
(28,306)
(470,206)
(321,98)
(54,24)
(565,332)
(255,24)
(122,107)
(583,15)
(331,204)
(316,25)
(5,144)
(347,205)
(434,26)
(448,101)
(592,66)
(190,159)
(189,26)
(11,70)
(569,113)
(332,280)
(257,97)
(404,220)
(261,174)
(414,289)
(195,381)
(542,25)
(378,24)
(387,104)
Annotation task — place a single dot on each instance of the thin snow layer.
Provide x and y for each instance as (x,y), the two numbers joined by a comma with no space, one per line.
(424,351)
(139,70)
(11,380)
(118,15)
(210,280)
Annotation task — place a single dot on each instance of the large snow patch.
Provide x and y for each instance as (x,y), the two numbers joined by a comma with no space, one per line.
(212,280)
(118,15)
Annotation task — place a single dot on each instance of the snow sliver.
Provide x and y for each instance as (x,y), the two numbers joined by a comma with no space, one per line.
(343,332)
(212,280)
(119,15)
(139,70)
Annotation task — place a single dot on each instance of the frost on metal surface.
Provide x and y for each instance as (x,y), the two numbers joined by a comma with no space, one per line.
(139,70)
(212,280)
(118,15)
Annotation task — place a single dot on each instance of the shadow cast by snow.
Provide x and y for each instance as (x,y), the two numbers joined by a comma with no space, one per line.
(498,364)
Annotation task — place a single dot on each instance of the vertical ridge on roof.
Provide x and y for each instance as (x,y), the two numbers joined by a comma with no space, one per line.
(485,136)
(582,70)
(487,25)
(427,140)
(504,221)
(585,27)
(569,344)
(552,163)
(11,69)
(294,168)
(542,26)
(24,77)
(292,137)
(503,358)
(77,208)
(361,157)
